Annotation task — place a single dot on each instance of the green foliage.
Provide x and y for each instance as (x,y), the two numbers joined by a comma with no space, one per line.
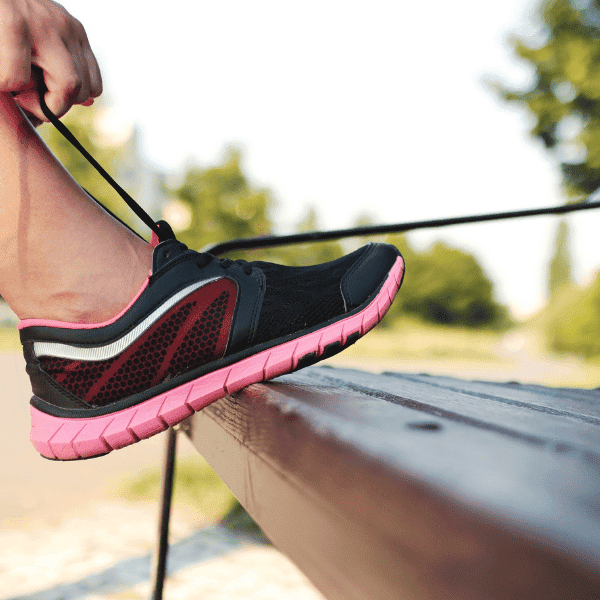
(239,520)
(565,96)
(447,286)
(561,264)
(82,122)
(573,321)
(195,484)
(401,242)
(223,204)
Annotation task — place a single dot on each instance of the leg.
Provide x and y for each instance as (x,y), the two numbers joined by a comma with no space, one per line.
(63,257)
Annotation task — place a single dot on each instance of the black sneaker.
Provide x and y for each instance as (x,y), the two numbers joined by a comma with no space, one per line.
(200,328)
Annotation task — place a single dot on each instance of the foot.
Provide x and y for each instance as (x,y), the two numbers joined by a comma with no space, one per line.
(200,328)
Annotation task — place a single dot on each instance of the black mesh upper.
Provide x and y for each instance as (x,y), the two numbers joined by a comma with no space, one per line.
(194,333)
(297,298)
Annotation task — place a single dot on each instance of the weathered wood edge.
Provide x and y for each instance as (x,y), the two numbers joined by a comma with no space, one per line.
(360,530)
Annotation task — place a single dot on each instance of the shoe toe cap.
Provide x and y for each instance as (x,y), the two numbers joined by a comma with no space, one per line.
(368,273)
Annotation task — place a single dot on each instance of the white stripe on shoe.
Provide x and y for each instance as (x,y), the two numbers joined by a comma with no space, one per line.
(111,350)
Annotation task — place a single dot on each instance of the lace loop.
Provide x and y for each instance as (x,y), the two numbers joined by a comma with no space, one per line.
(204,259)
(227,262)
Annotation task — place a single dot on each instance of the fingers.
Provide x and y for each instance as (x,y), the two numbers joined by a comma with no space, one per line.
(81,92)
(55,42)
(73,77)
(92,66)
(15,53)
(28,98)
(68,78)
(33,119)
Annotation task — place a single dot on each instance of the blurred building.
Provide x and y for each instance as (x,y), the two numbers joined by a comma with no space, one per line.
(143,180)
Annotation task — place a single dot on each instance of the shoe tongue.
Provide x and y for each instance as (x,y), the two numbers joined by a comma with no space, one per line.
(165,252)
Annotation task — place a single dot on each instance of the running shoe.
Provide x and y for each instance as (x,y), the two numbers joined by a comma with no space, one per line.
(200,328)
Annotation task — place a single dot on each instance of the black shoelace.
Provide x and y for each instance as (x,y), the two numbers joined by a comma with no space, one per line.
(162,228)
(163,232)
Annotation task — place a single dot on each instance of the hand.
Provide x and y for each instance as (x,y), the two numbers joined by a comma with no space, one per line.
(43,34)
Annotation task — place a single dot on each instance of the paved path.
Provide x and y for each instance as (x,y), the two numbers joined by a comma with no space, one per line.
(103,552)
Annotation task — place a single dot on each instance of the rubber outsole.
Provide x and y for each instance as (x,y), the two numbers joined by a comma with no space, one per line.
(74,439)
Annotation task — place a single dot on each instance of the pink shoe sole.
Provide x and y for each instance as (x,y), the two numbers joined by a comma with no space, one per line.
(72,439)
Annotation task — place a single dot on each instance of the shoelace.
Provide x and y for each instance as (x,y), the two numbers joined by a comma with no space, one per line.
(162,228)
(203,259)
(135,207)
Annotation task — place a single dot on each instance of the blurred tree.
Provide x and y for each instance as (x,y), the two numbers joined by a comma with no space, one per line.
(560,265)
(398,308)
(400,240)
(442,285)
(565,95)
(573,323)
(82,122)
(447,286)
(222,204)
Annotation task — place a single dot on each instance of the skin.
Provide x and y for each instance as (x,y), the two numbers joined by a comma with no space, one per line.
(42,33)
(63,257)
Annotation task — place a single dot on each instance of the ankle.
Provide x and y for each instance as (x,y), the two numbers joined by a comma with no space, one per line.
(90,307)
(90,293)
(107,294)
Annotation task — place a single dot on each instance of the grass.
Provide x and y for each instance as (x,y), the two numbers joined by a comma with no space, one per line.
(9,339)
(414,339)
(196,485)
(519,354)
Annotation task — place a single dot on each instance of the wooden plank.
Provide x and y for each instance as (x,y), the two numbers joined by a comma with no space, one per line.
(552,426)
(583,403)
(389,487)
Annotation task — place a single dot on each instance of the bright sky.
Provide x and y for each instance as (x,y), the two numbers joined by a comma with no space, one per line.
(353,107)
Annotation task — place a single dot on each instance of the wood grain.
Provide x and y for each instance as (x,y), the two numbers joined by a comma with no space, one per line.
(415,487)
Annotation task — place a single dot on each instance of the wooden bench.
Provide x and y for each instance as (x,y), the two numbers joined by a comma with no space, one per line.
(401,486)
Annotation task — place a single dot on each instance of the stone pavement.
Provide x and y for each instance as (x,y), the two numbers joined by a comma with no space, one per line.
(103,550)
